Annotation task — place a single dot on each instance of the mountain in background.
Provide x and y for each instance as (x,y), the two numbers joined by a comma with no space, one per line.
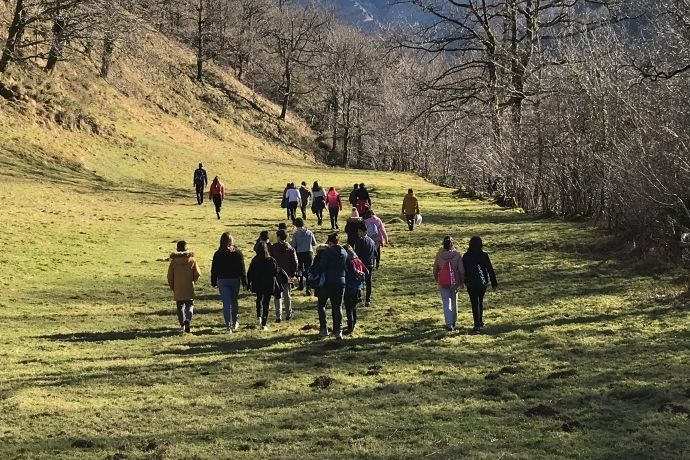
(375,14)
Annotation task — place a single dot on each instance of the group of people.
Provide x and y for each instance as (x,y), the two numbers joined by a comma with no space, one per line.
(216,192)
(334,272)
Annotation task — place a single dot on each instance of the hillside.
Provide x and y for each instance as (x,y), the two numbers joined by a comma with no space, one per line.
(128,127)
(583,356)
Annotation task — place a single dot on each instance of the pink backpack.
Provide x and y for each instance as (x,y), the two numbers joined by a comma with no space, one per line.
(446,277)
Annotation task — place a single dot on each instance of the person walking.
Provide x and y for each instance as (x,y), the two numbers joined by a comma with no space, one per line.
(352,227)
(217,194)
(303,241)
(335,205)
(365,248)
(284,200)
(318,203)
(262,280)
(332,264)
(479,274)
(377,232)
(200,183)
(273,237)
(353,195)
(285,256)
(355,277)
(183,272)
(228,274)
(294,201)
(410,208)
(449,274)
(263,237)
(305,194)
(362,199)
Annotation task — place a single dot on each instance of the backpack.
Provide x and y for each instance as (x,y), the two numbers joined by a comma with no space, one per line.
(373,231)
(446,277)
(198,175)
(482,276)
(315,279)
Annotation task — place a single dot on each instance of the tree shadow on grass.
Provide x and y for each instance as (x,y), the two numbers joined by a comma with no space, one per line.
(112,335)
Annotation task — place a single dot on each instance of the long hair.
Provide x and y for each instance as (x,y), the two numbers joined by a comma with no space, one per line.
(316,187)
(476,244)
(262,250)
(216,180)
(226,240)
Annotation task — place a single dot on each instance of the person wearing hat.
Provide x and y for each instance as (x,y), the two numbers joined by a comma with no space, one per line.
(200,183)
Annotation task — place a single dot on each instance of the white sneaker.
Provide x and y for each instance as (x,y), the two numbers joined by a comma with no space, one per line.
(264,328)
(236,326)
(182,329)
(228,329)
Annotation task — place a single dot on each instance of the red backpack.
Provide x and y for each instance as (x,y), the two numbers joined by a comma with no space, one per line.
(446,277)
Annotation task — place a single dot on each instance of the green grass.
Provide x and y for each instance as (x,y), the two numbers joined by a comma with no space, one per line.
(92,352)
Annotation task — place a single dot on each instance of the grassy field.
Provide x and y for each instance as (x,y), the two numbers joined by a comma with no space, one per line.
(582,357)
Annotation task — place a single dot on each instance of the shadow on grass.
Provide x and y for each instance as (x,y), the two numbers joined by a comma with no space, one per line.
(112,335)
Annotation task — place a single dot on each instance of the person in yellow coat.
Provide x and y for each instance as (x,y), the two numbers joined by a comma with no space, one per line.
(183,272)
(410,208)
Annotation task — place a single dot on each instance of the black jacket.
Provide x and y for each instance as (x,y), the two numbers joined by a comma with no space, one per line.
(363,194)
(262,275)
(477,265)
(228,264)
(333,262)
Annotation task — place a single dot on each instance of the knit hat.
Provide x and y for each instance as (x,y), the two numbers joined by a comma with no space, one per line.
(355,213)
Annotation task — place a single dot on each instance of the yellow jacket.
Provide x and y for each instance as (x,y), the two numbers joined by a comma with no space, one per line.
(410,205)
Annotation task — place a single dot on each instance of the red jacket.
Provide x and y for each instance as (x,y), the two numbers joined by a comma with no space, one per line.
(216,189)
(333,201)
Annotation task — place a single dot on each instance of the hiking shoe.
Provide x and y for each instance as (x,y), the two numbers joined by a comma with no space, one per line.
(289,317)
(367,303)
(308,292)
(476,329)
(339,335)
(264,328)
(218,215)
(323,332)
(236,326)
(182,329)
(186,326)
(228,330)
(278,320)
(300,287)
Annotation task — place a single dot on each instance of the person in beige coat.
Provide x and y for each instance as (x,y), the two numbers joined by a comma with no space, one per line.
(410,208)
(449,273)
(183,272)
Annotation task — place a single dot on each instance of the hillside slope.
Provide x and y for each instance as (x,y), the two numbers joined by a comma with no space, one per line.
(128,127)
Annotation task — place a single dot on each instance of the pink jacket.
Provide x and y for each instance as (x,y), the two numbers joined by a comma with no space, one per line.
(382,229)
(216,189)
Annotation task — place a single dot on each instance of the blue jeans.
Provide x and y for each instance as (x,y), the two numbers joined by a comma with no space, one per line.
(229,292)
(449,298)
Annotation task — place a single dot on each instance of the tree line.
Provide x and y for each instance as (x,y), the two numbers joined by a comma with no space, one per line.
(576,108)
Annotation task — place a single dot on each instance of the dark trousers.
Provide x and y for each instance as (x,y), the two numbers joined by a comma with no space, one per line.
(199,192)
(218,202)
(368,280)
(351,298)
(262,303)
(291,210)
(409,218)
(319,214)
(185,310)
(333,213)
(377,256)
(304,261)
(477,300)
(335,295)
(304,210)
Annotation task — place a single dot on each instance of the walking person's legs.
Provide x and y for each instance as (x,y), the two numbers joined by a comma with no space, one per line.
(304,211)
(265,302)
(449,301)
(321,309)
(235,302)
(410,221)
(474,300)
(258,309)
(287,300)
(225,289)
(180,311)
(217,201)
(378,256)
(368,282)
(480,305)
(200,193)
(332,213)
(336,297)
(350,300)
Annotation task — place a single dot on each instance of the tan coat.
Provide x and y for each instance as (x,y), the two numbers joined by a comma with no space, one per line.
(410,205)
(443,257)
(183,272)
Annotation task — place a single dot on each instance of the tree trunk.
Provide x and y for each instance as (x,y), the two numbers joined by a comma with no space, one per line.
(14,35)
(59,41)
(334,108)
(200,41)
(107,57)
(288,89)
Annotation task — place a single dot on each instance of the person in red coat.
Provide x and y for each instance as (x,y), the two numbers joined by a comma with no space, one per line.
(217,193)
